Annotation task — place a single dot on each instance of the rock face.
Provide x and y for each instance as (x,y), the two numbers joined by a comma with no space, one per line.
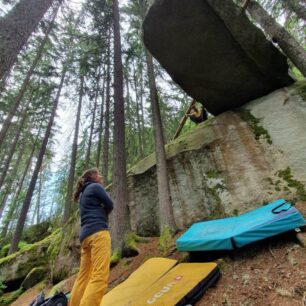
(214,52)
(16,267)
(229,164)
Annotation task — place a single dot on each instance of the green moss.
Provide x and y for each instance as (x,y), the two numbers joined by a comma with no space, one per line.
(287,176)
(218,211)
(212,173)
(35,276)
(269,180)
(54,247)
(166,241)
(127,262)
(300,88)
(131,241)
(221,264)
(31,248)
(2,287)
(235,212)
(60,275)
(253,122)
(192,140)
(297,74)
(116,257)
(37,232)
(130,248)
(22,245)
(10,297)
(57,288)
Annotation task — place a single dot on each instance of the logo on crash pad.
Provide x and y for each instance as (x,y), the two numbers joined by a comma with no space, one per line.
(164,290)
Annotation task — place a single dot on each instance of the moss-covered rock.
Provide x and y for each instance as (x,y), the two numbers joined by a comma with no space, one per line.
(8,298)
(35,276)
(37,232)
(66,254)
(19,264)
(254,123)
(228,164)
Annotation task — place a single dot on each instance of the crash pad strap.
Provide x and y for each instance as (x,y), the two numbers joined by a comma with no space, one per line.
(276,211)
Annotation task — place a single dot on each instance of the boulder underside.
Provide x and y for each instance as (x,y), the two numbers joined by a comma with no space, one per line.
(214,52)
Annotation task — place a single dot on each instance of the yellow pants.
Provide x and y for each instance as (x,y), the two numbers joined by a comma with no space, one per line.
(92,278)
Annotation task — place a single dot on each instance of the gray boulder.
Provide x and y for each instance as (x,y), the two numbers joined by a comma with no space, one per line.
(214,52)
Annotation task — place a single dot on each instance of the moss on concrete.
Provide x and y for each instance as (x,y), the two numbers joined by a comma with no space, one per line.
(287,176)
(253,122)
(193,139)
(212,173)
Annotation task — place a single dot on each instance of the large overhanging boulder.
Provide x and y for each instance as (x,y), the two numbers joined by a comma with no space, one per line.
(212,50)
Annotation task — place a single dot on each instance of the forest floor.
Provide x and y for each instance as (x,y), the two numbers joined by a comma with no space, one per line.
(270,272)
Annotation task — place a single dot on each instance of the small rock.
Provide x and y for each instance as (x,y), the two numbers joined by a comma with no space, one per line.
(301,238)
(226,301)
(245,279)
(292,260)
(245,303)
(265,278)
(235,276)
(283,292)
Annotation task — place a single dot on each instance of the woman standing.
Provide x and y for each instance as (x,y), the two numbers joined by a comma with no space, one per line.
(95,206)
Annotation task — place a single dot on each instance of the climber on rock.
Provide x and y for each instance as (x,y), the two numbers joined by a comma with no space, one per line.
(197,114)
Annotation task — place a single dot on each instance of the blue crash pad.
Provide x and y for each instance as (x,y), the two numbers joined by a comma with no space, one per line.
(235,232)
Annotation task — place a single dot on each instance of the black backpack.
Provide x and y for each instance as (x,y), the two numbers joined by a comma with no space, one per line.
(59,299)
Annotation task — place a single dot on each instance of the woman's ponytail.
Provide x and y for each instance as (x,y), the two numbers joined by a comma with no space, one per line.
(86,177)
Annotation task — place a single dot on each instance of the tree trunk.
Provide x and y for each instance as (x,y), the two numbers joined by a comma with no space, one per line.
(139,130)
(14,107)
(142,112)
(27,201)
(3,201)
(16,27)
(68,202)
(106,118)
(121,225)
(11,152)
(92,126)
(295,7)
(286,42)
(9,186)
(13,206)
(165,205)
(100,129)
(38,200)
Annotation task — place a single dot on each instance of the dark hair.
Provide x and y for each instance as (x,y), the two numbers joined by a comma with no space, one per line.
(84,178)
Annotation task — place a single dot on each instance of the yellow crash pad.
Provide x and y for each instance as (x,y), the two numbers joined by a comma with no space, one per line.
(141,279)
(179,286)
